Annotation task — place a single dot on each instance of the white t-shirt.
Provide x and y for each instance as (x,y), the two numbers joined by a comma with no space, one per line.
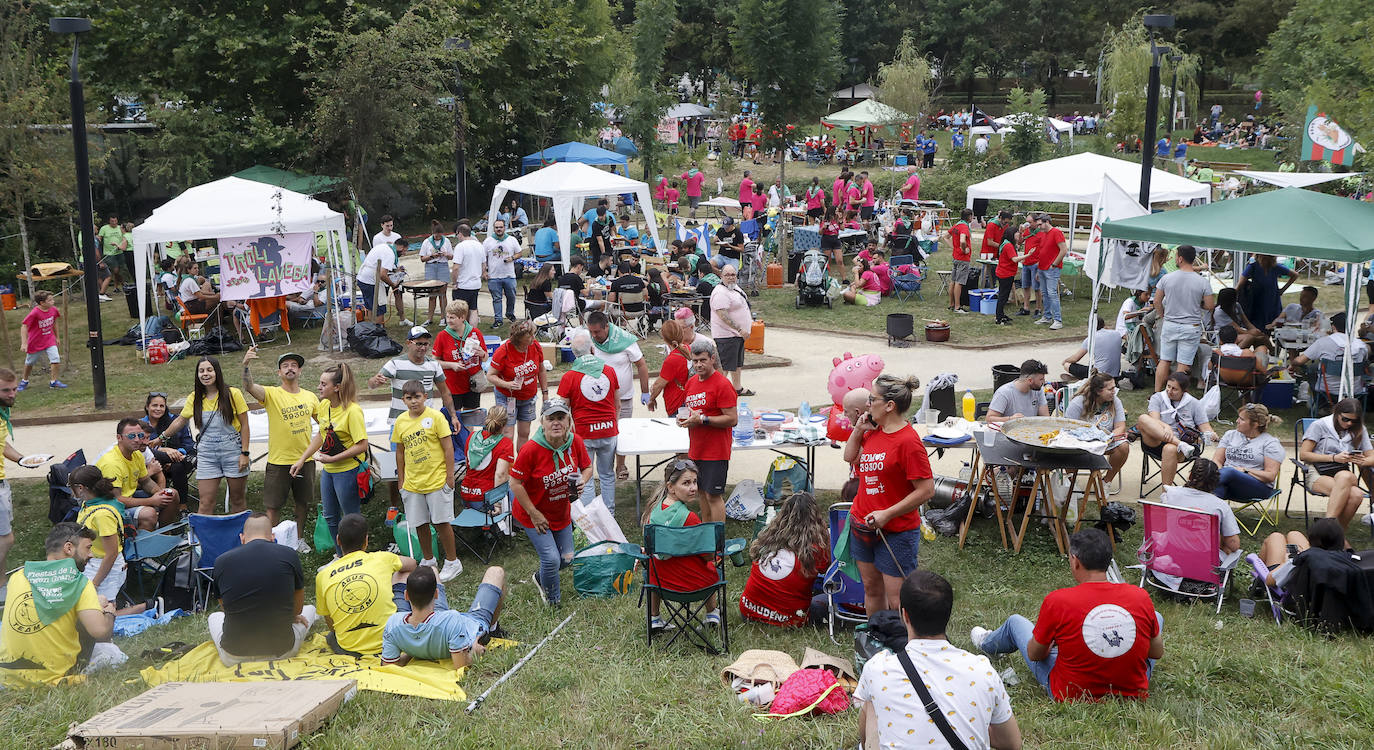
(964,685)
(1009,400)
(442,250)
(188,288)
(623,364)
(385,238)
(981,145)
(1187,412)
(501,257)
(1075,411)
(386,254)
(1249,453)
(1124,326)
(1327,440)
(1106,351)
(1293,314)
(1332,346)
(469,257)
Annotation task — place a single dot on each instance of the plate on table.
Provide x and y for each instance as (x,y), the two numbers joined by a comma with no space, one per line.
(1037,432)
(948,433)
(36,460)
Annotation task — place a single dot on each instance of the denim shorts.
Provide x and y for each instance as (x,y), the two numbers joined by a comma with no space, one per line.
(51,354)
(437,272)
(1030,277)
(523,408)
(1179,342)
(866,546)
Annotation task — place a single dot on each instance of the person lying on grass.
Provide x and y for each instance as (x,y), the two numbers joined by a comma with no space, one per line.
(425,628)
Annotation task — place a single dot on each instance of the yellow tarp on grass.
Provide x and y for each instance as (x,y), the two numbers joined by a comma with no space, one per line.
(425,679)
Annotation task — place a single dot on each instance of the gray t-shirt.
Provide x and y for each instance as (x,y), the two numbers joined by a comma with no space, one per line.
(1249,453)
(1187,412)
(1104,419)
(1009,400)
(1187,497)
(1327,440)
(1106,351)
(1333,347)
(1184,292)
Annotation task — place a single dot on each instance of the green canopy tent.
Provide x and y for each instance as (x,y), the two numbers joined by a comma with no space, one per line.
(304,184)
(1290,221)
(866,114)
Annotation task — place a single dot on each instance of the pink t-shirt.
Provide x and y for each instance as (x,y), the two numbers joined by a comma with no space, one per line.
(694,182)
(869,198)
(726,301)
(912,189)
(837,193)
(746,190)
(760,203)
(42,328)
(815,198)
(671,196)
(868,282)
(884,273)
(660,190)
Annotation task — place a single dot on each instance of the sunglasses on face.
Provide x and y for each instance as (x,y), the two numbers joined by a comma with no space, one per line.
(135,435)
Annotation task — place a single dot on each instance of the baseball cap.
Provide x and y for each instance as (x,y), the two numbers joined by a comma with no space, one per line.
(556,406)
(300,361)
(417,332)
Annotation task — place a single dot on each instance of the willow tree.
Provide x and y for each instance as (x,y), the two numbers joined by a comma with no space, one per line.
(904,83)
(650,100)
(1126,80)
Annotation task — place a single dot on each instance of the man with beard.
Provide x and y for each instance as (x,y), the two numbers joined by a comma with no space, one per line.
(289,410)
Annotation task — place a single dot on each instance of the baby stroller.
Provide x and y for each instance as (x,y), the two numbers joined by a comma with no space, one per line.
(813,280)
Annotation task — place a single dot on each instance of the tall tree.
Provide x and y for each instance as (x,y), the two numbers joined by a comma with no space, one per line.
(654,21)
(790,51)
(1228,34)
(1126,75)
(699,44)
(904,82)
(1026,109)
(869,31)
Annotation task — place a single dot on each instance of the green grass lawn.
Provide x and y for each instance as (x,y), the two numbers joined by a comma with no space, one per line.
(1224,682)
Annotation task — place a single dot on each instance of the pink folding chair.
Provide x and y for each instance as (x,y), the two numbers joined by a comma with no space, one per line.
(1183,543)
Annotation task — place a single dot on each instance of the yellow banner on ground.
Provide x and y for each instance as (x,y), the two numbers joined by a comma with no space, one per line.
(425,679)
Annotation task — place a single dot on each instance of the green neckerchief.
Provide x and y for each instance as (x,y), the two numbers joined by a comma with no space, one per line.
(617,340)
(692,172)
(467,329)
(673,515)
(56,585)
(711,279)
(480,445)
(589,364)
(5,417)
(990,223)
(561,454)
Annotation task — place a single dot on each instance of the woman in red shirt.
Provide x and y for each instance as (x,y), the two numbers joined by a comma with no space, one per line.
(489,455)
(815,200)
(460,349)
(517,371)
(677,367)
(679,573)
(830,239)
(547,475)
(894,478)
(1007,261)
(789,554)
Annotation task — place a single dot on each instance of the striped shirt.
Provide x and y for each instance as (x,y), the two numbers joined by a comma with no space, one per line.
(400,370)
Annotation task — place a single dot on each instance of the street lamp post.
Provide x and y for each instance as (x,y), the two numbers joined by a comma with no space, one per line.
(89,259)
(1174,60)
(853,77)
(460,178)
(1153,21)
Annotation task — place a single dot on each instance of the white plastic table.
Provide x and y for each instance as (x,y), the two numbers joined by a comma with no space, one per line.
(645,436)
(378,436)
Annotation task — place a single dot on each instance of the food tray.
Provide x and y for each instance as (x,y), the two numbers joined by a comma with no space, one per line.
(1029,431)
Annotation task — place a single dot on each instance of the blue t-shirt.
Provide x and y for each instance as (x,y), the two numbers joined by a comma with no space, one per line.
(1181,150)
(930,145)
(629,233)
(1162,148)
(958,140)
(546,244)
(441,634)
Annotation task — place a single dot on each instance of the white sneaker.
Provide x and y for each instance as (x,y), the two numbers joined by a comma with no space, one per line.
(1056,325)
(102,298)
(978,634)
(407,322)
(1186,450)
(431,562)
(451,570)
(1041,321)
(713,617)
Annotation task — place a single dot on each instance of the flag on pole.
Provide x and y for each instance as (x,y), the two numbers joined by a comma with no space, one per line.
(1113,203)
(982,118)
(1324,140)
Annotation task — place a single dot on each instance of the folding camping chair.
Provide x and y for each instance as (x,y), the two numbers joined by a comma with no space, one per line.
(267,316)
(1273,594)
(1237,380)
(1268,508)
(1299,477)
(191,322)
(1322,396)
(1152,466)
(905,284)
(684,610)
(152,554)
(1184,543)
(471,526)
(215,535)
(844,596)
(629,311)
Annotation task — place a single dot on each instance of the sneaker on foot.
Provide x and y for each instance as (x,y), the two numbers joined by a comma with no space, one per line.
(1056,325)
(1041,321)
(450,570)
(56,384)
(961,310)
(23,384)
(431,562)
(407,322)
(978,634)
(1023,311)
(713,617)
(1186,449)
(656,624)
(102,298)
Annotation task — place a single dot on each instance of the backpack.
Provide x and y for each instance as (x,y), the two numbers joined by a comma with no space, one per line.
(62,506)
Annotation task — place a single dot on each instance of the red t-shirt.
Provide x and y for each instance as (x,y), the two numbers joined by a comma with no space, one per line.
(778,592)
(760,202)
(675,371)
(710,397)
(992,238)
(746,191)
(888,463)
(694,182)
(912,189)
(596,410)
(870,199)
(855,197)
(1032,249)
(962,240)
(1006,261)
(830,228)
(42,329)
(550,491)
(1103,632)
(837,192)
(449,349)
(508,363)
(477,481)
(1049,248)
(671,194)
(684,573)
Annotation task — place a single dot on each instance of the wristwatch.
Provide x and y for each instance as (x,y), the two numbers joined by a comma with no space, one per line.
(243,453)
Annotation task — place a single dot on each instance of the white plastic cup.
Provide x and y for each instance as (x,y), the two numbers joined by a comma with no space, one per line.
(989,437)
(932,417)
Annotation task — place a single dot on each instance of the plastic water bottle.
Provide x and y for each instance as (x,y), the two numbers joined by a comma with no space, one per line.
(744,427)
(970,406)
(804,413)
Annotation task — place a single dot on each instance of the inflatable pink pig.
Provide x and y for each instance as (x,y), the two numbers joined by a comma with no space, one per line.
(850,372)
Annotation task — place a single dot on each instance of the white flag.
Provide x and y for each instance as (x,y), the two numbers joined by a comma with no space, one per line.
(1113,203)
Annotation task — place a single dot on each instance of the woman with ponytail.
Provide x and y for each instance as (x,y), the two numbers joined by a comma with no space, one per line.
(341,439)
(489,456)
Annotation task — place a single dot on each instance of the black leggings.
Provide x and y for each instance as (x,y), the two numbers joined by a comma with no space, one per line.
(1003,294)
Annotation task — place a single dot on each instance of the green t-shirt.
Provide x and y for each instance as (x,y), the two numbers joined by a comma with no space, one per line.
(110,237)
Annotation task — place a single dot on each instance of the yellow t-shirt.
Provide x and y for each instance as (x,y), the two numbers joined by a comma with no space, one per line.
(288,423)
(125,473)
(211,403)
(104,520)
(348,424)
(52,648)
(424,454)
(354,592)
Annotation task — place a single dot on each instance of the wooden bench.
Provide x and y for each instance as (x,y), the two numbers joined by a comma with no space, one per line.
(1085,219)
(1224,166)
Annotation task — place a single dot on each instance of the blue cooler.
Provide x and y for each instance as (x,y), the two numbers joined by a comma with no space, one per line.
(986,300)
(1278,394)
(899,160)
(492,343)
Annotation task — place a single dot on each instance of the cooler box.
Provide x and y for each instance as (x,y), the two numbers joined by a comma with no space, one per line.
(983,300)
(492,343)
(899,160)
(1278,394)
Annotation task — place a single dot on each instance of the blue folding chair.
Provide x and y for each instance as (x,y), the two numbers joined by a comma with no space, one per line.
(215,535)
(151,554)
(844,596)
(905,285)
(471,525)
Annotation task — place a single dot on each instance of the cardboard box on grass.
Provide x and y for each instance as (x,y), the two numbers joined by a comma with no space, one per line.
(219,715)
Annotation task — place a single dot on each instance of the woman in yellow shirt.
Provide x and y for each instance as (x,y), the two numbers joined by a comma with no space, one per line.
(339,415)
(220,414)
(105,516)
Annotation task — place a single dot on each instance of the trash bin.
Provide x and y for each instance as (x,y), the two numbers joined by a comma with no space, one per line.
(1003,374)
(131,299)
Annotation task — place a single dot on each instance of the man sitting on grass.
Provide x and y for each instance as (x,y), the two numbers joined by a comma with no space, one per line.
(431,630)
(357,593)
(262,595)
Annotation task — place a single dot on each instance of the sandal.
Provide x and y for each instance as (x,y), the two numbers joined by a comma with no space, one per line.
(744,392)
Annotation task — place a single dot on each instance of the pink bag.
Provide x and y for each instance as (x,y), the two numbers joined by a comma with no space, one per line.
(809,690)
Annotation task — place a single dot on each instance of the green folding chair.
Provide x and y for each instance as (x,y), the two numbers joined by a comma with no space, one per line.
(683,611)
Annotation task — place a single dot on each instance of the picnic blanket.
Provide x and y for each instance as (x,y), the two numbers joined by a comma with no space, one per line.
(425,679)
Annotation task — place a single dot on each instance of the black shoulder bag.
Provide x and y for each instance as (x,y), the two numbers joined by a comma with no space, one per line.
(932,708)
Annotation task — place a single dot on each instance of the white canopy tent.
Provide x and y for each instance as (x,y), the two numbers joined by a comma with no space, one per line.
(1004,124)
(234,207)
(568,184)
(1077,179)
(688,109)
(1295,179)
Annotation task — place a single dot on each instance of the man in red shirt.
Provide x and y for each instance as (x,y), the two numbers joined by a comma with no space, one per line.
(961,238)
(711,415)
(590,388)
(694,178)
(1053,247)
(1108,635)
(1030,269)
(992,234)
